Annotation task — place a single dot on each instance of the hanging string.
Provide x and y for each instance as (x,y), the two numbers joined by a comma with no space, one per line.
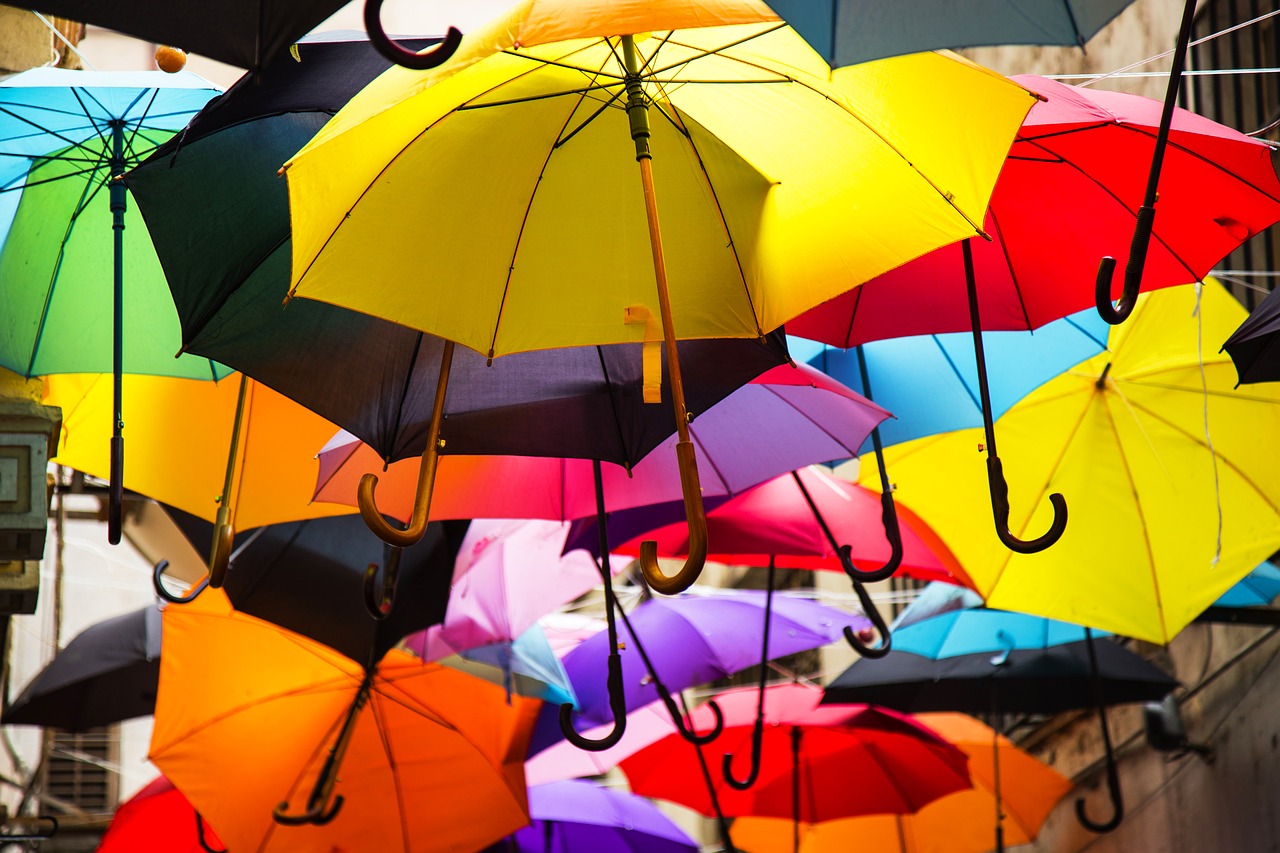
(71,47)
(1204,392)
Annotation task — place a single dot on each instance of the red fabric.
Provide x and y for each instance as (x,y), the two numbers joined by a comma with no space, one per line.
(1068,195)
(157,819)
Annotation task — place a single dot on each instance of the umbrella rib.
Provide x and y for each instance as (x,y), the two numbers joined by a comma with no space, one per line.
(384,738)
(852,451)
(613,409)
(1008,262)
(960,377)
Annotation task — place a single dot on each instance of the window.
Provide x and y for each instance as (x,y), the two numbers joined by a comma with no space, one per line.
(81,771)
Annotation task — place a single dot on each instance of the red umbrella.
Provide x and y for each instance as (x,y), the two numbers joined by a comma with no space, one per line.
(817,763)
(158,819)
(1068,195)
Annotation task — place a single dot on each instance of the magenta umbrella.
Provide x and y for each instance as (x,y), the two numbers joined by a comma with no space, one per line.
(785,419)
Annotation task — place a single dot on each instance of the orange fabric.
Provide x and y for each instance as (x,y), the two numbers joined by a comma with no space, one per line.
(963,822)
(177,433)
(247,712)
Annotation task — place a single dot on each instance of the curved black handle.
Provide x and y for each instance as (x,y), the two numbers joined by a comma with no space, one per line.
(115,492)
(617,704)
(157,580)
(687,731)
(892,532)
(1120,311)
(757,744)
(399,55)
(1117,802)
(380,585)
(316,814)
(873,613)
(33,836)
(1000,507)
(204,845)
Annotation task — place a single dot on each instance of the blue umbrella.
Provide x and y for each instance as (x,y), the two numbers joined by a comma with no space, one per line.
(526,666)
(1248,602)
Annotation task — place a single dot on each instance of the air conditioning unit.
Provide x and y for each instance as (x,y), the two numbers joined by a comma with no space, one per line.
(28,437)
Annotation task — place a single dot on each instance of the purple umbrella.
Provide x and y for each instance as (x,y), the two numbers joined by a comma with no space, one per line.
(579,817)
(692,640)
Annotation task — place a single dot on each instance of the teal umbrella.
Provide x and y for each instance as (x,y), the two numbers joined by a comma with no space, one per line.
(1249,601)
(65,136)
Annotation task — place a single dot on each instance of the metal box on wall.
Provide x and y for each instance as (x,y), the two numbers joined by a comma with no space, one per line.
(28,437)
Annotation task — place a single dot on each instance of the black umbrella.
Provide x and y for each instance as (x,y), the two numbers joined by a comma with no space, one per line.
(109,672)
(1255,346)
(247,33)
(308,577)
(227,260)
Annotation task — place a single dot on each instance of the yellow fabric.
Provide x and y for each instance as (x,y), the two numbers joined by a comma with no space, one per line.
(177,434)
(963,822)
(247,711)
(465,203)
(1132,461)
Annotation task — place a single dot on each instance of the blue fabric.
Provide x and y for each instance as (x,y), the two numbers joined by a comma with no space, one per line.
(982,630)
(530,656)
(930,382)
(1257,589)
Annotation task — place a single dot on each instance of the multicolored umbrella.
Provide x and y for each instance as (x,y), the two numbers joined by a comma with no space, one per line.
(818,763)
(65,138)
(747,208)
(240,694)
(1011,790)
(574,817)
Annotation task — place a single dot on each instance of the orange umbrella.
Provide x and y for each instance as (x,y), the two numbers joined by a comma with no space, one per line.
(397,756)
(963,822)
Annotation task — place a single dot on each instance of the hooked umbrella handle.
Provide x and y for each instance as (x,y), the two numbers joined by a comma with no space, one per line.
(157,580)
(696,518)
(380,586)
(1000,508)
(617,705)
(1117,313)
(400,56)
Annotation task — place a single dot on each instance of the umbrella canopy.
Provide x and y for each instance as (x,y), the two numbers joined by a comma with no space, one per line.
(185,433)
(1067,196)
(693,640)
(236,691)
(57,129)
(573,816)
(786,418)
(1125,432)
(1249,601)
(310,577)
(526,665)
(158,819)
(506,575)
(930,382)
(957,823)
(817,763)
(772,521)
(107,673)
(850,31)
(758,234)
(1252,346)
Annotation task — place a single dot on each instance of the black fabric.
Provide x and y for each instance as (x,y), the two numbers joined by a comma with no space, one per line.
(109,672)
(244,33)
(1031,681)
(218,216)
(1255,346)
(308,577)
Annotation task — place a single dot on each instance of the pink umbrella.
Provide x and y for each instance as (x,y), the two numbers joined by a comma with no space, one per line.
(508,574)
(787,418)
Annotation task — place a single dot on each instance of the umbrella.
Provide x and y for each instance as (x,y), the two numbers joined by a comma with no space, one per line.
(1126,430)
(107,673)
(956,823)
(65,136)
(507,574)
(787,418)
(525,665)
(850,31)
(991,661)
(267,475)
(316,577)
(730,184)
(1249,601)
(158,819)
(236,691)
(575,817)
(1252,346)
(818,763)
(378,380)
(237,32)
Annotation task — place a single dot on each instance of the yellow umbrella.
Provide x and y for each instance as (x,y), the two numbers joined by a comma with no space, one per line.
(491,201)
(1156,441)
(963,822)
(233,452)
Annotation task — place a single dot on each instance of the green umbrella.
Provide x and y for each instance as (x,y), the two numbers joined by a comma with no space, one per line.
(64,138)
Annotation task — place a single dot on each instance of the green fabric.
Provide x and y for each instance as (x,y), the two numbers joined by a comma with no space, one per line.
(56,279)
